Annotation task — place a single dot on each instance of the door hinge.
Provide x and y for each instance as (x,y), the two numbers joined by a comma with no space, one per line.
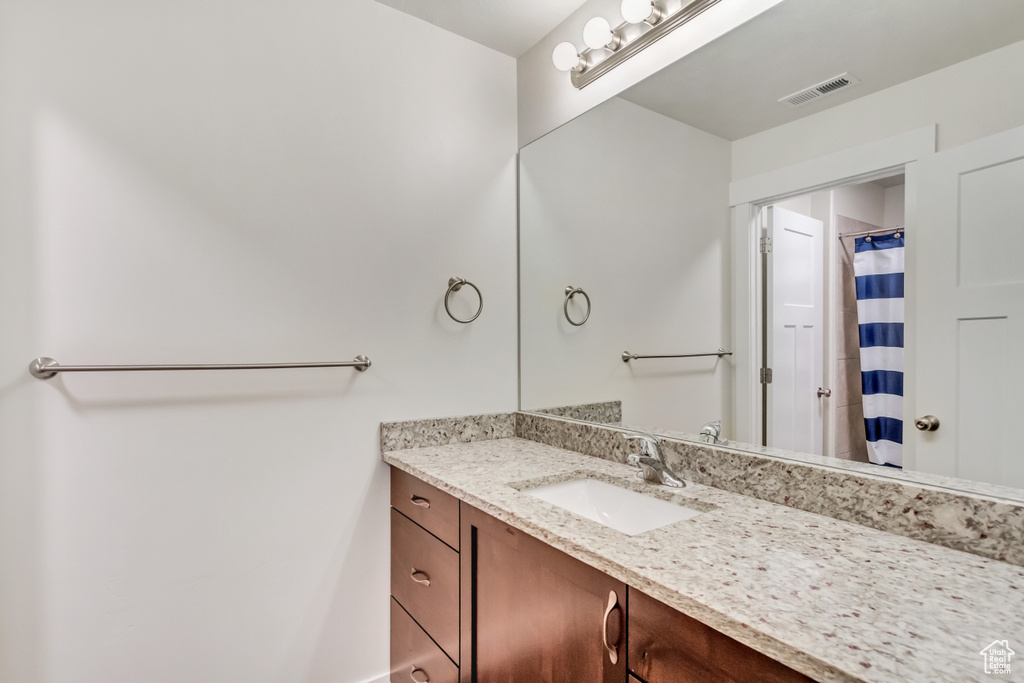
(766,245)
(766,375)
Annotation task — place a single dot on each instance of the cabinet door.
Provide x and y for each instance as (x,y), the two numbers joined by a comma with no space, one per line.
(425,581)
(414,656)
(666,646)
(532,614)
(430,507)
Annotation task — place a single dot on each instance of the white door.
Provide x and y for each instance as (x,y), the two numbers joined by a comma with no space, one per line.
(795,347)
(970,310)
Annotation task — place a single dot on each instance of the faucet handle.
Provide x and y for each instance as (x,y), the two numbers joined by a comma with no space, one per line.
(649,445)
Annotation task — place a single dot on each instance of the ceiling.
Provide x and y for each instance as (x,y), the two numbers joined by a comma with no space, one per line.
(508,26)
(731,87)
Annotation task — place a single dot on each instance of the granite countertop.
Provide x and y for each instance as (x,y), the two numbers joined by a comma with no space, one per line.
(834,600)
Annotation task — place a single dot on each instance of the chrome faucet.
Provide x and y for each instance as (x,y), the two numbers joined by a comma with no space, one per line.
(651,462)
(712,433)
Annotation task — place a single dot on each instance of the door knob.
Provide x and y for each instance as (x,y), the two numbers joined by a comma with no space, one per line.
(824,392)
(928,423)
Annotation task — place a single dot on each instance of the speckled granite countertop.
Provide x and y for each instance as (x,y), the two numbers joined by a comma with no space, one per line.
(837,601)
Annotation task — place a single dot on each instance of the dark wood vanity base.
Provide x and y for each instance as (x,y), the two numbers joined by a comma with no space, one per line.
(500,606)
(414,656)
(424,582)
(666,646)
(534,613)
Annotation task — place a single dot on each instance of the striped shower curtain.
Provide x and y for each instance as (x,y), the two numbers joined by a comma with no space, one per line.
(878,267)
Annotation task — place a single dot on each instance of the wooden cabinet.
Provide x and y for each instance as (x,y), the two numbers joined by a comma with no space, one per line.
(428,506)
(424,582)
(666,646)
(477,601)
(532,613)
(415,658)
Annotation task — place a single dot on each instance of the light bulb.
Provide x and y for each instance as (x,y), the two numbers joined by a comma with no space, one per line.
(565,57)
(598,34)
(639,11)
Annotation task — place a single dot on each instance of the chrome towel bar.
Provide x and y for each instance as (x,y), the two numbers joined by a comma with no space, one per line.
(627,356)
(45,368)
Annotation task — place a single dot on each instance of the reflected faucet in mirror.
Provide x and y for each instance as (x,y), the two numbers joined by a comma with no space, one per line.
(651,462)
(712,433)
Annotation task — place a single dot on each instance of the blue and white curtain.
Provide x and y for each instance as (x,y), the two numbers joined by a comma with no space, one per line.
(878,267)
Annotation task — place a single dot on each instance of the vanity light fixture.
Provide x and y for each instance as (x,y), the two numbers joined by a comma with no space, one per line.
(598,34)
(566,58)
(641,11)
(645,22)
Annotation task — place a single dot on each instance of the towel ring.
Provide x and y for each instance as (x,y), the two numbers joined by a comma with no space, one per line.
(454,285)
(570,292)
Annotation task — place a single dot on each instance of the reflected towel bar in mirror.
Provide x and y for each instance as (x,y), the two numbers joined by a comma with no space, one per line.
(45,368)
(627,356)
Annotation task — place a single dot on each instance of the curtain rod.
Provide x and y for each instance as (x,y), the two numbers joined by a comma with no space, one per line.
(898,228)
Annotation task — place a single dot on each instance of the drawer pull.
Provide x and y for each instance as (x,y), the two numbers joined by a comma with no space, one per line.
(424,678)
(613,649)
(420,577)
(422,502)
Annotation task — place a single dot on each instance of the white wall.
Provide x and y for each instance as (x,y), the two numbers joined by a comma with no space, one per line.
(632,207)
(547,99)
(864,202)
(895,206)
(227,182)
(968,101)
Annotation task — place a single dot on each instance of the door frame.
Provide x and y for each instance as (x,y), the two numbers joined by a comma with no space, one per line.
(862,163)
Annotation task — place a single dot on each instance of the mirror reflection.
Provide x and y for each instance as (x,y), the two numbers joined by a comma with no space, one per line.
(871,320)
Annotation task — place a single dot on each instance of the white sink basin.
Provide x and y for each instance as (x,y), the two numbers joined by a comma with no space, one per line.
(627,511)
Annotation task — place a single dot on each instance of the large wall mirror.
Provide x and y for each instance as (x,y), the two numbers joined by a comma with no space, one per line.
(889,305)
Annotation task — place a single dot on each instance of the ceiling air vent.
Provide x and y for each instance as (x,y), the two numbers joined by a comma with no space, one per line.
(820,90)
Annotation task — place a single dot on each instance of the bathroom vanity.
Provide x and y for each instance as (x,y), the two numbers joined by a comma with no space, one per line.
(531,612)
(491,583)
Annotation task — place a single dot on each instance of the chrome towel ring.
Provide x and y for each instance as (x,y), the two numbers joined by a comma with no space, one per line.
(454,285)
(570,292)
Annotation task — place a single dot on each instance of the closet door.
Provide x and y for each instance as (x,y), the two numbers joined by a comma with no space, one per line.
(796,342)
(969,371)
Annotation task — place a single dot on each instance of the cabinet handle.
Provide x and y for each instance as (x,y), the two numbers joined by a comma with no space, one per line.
(613,650)
(422,502)
(420,577)
(419,672)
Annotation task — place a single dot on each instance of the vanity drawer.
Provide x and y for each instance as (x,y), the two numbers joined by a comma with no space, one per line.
(425,581)
(428,506)
(666,646)
(413,650)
